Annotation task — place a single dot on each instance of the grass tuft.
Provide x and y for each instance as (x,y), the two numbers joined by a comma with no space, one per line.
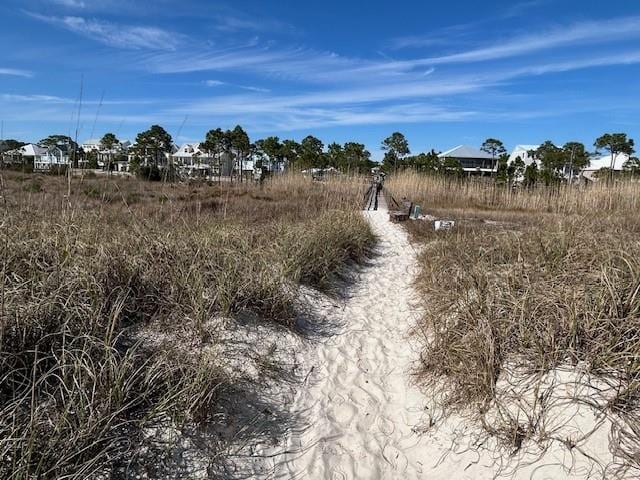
(529,283)
(106,307)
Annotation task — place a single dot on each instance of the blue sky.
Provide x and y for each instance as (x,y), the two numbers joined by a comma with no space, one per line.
(443,73)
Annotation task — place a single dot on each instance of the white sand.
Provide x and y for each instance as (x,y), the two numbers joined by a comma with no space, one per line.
(360,416)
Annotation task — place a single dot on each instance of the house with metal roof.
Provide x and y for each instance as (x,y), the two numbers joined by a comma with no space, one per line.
(596,161)
(474,161)
(26,155)
(40,158)
(524,152)
(599,161)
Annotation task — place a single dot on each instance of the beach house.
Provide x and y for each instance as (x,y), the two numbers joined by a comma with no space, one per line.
(473,161)
(194,161)
(600,161)
(525,152)
(55,156)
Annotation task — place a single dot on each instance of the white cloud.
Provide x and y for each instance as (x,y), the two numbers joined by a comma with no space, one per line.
(287,63)
(518,9)
(254,89)
(580,33)
(226,23)
(330,68)
(234,21)
(219,83)
(8,97)
(69,3)
(115,35)
(404,101)
(342,90)
(53,99)
(15,72)
(624,58)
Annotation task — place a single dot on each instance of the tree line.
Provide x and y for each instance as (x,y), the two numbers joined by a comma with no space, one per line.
(556,164)
(309,153)
(552,163)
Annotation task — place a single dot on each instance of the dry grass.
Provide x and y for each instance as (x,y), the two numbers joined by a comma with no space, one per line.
(526,284)
(92,280)
(440,192)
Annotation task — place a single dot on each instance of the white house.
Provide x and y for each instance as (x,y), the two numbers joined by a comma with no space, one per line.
(106,155)
(191,154)
(522,151)
(599,161)
(525,152)
(28,154)
(117,155)
(193,160)
(55,156)
(596,162)
(91,145)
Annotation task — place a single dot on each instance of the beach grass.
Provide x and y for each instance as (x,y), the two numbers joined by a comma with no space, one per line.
(108,289)
(526,283)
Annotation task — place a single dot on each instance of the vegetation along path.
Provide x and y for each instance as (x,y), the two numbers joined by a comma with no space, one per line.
(359,407)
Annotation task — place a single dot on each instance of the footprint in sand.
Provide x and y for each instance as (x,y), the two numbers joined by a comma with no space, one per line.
(395,458)
(386,426)
(338,474)
(365,422)
(343,412)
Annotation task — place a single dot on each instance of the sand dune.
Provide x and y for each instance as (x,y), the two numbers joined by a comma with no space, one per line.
(358,403)
(360,416)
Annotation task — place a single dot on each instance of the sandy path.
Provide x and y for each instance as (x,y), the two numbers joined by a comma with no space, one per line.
(358,401)
(358,415)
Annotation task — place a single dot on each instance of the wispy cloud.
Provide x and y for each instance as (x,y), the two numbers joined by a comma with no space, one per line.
(449,36)
(219,83)
(16,72)
(405,101)
(236,23)
(121,36)
(286,63)
(54,99)
(519,8)
(623,58)
(575,34)
(582,33)
(69,3)
(254,89)
(369,103)
(330,68)
(298,118)
(316,88)
(458,34)
(8,97)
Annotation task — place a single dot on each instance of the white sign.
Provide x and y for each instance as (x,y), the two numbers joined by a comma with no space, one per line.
(444,224)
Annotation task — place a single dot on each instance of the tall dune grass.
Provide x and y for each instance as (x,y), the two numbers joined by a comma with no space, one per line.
(442,192)
(529,282)
(95,274)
